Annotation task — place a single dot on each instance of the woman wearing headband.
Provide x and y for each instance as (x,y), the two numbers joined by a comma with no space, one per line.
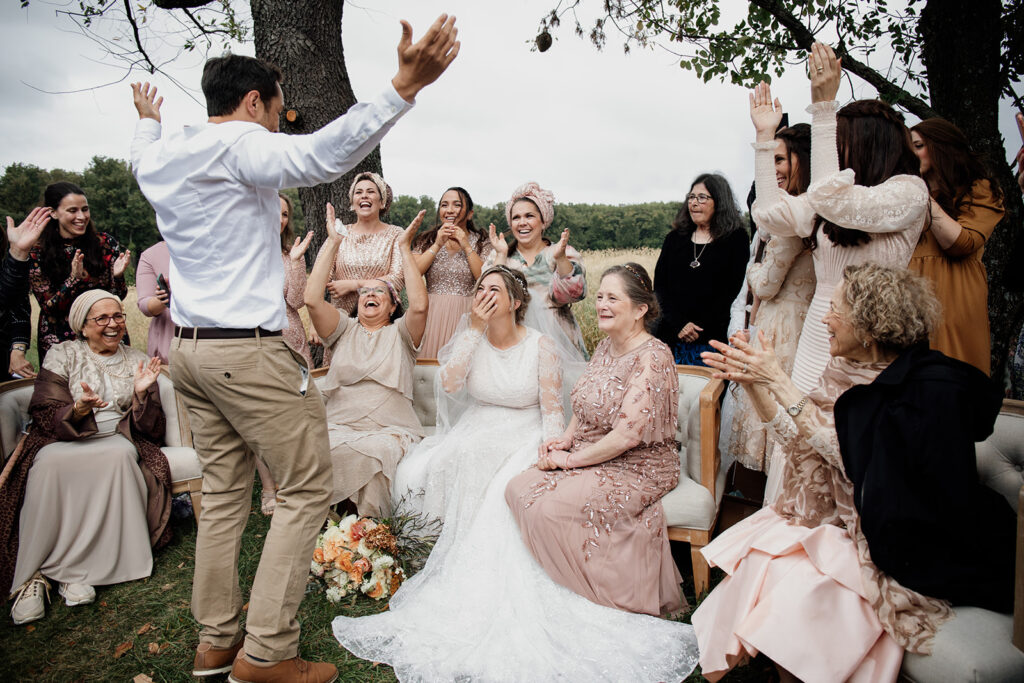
(482,609)
(368,389)
(554,272)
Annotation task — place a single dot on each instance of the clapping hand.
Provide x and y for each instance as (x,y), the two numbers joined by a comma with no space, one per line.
(78,266)
(765,114)
(743,363)
(90,400)
(561,244)
(405,239)
(121,263)
(423,62)
(498,242)
(825,70)
(23,237)
(332,230)
(146,102)
(444,233)
(145,375)
(484,305)
(300,246)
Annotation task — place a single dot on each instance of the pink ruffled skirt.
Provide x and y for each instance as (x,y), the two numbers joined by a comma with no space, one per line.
(793,593)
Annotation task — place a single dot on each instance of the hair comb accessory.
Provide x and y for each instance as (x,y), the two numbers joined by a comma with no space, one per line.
(637,276)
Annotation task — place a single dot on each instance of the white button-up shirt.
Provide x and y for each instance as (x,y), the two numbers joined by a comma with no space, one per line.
(214,189)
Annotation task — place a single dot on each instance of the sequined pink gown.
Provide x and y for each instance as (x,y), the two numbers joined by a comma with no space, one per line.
(600,530)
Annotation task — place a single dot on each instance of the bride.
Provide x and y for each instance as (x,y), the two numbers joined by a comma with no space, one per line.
(482,608)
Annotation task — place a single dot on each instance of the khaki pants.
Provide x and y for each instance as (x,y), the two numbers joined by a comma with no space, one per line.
(244,394)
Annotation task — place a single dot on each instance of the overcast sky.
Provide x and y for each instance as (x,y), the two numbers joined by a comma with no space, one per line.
(591,126)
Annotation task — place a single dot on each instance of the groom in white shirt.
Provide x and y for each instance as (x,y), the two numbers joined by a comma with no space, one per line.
(214,189)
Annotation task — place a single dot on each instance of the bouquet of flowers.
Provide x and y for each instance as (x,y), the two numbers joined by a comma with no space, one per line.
(357,554)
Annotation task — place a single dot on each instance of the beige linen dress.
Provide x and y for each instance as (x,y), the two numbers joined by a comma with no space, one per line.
(370,419)
(84,515)
(600,530)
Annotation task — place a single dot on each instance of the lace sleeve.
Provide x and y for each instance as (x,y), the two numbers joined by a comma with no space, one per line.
(549,379)
(774,209)
(817,430)
(650,404)
(766,278)
(456,368)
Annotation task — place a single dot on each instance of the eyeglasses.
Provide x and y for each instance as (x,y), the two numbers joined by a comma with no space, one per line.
(366,291)
(104,320)
(699,198)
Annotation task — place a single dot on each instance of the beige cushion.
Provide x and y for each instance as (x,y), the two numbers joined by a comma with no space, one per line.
(168,399)
(688,428)
(184,463)
(1001,457)
(423,395)
(973,646)
(13,417)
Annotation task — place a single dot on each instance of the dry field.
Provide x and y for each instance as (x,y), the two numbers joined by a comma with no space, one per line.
(595,262)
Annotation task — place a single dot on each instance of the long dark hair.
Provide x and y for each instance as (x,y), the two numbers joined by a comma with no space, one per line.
(423,240)
(55,264)
(726,217)
(954,166)
(797,139)
(873,141)
(287,235)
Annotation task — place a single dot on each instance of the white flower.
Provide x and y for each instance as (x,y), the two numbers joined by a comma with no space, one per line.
(335,594)
(382,560)
(316,569)
(345,526)
(363,549)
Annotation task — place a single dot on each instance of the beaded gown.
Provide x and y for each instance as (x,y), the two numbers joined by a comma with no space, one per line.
(482,608)
(600,530)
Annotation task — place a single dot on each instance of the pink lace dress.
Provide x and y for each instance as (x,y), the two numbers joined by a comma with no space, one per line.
(294,289)
(800,584)
(450,288)
(600,530)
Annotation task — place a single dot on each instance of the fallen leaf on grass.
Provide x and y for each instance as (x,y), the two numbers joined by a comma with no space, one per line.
(154,649)
(167,586)
(142,678)
(245,607)
(145,628)
(181,565)
(30,628)
(103,603)
(122,648)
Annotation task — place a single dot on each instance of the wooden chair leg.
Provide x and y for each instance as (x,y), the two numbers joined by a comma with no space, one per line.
(195,492)
(701,570)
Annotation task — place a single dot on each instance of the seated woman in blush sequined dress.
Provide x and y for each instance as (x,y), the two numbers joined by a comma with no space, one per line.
(590,510)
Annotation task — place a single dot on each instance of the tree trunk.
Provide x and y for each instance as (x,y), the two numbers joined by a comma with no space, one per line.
(961,51)
(303,38)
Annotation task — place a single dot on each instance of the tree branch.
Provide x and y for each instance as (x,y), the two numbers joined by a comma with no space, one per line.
(138,38)
(888,90)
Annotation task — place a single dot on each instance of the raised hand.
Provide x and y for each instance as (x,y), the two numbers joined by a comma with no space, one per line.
(421,63)
(121,263)
(23,237)
(90,400)
(825,70)
(484,305)
(561,244)
(444,233)
(332,224)
(690,332)
(405,239)
(300,246)
(743,363)
(145,375)
(498,242)
(78,265)
(461,236)
(764,113)
(146,101)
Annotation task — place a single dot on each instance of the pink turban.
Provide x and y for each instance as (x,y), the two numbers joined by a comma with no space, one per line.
(544,200)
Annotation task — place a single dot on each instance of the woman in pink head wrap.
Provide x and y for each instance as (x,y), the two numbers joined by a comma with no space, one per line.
(554,272)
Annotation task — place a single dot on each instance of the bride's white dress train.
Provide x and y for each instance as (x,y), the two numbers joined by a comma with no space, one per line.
(482,609)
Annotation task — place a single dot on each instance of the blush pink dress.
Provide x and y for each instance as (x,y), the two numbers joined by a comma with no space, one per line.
(600,530)
(294,290)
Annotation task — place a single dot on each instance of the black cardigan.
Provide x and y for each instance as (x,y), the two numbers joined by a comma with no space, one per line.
(701,295)
(907,441)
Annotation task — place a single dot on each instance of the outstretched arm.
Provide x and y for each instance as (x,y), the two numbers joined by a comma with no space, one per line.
(415,288)
(421,63)
(322,313)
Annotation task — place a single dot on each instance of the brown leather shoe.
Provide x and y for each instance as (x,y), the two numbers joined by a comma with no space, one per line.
(295,670)
(211,660)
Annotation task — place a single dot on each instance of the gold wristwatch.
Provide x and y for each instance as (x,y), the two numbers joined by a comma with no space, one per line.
(795,409)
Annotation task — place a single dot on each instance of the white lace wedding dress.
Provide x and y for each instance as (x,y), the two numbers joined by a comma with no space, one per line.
(482,609)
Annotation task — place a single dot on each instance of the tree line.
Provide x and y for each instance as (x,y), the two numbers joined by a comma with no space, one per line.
(119,208)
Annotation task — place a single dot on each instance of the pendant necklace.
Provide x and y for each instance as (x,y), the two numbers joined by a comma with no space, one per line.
(695,263)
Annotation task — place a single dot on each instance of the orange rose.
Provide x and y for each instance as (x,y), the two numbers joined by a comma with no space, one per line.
(377,591)
(318,556)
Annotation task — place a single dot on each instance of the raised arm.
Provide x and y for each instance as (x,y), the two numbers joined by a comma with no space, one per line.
(322,313)
(569,281)
(415,288)
(147,130)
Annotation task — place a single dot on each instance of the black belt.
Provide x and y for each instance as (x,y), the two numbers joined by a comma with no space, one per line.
(223,332)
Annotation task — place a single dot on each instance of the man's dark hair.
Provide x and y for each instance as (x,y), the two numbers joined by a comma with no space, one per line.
(227,79)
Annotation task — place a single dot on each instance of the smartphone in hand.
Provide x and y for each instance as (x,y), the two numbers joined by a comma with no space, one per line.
(161,282)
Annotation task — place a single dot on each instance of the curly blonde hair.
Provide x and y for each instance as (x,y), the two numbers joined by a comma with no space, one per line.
(891,306)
